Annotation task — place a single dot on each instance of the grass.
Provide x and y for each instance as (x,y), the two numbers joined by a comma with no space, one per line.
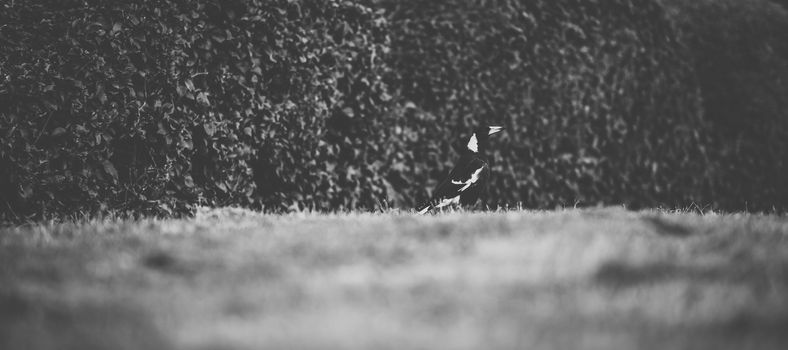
(233,279)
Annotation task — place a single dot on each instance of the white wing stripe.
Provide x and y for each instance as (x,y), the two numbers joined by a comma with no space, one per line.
(448,201)
(471,181)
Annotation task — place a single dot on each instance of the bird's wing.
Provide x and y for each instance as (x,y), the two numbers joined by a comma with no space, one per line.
(470,181)
(461,178)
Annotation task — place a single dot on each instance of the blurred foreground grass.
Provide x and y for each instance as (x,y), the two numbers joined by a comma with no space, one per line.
(233,279)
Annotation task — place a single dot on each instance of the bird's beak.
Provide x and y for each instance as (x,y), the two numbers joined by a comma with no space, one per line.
(494,130)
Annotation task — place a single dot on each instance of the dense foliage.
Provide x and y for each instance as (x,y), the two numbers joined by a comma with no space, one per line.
(600,102)
(153,107)
(783,3)
(740,50)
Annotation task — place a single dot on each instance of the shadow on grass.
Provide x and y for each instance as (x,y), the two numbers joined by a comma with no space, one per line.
(665,227)
(621,275)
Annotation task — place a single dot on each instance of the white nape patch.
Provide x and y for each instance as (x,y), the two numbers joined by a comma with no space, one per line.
(448,201)
(471,181)
(473,144)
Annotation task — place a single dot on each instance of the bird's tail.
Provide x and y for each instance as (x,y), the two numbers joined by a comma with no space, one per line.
(424,208)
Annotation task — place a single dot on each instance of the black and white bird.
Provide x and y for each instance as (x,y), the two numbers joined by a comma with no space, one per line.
(468,179)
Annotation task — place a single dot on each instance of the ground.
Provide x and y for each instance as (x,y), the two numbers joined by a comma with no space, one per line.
(233,279)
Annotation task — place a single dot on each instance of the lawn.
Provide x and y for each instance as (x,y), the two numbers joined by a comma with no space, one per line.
(232,279)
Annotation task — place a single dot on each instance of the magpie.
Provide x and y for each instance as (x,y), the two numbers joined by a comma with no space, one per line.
(468,178)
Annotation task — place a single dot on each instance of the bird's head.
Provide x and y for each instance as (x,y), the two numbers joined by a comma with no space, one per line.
(479,140)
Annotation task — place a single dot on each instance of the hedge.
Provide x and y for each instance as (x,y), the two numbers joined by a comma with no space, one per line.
(599,101)
(151,108)
(740,50)
(154,107)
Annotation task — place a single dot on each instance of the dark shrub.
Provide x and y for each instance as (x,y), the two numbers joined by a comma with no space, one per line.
(599,99)
(741,59)
(155,106)
(783,3)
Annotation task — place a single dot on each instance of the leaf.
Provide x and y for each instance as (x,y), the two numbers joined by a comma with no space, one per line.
(202,98)
(110,170)
(209,128)
(348,112)
(58,132)
(186,144)
(26,191)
